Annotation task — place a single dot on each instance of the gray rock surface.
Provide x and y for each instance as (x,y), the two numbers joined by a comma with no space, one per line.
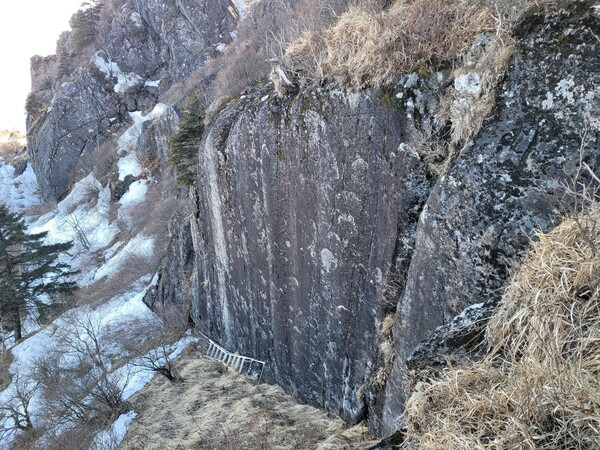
(479,218)
(156,41)
(460,340)
(313,219)
(63,141)
(307,218)
(302,207)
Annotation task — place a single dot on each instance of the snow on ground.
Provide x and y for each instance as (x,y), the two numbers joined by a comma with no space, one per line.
(87,217)
(113,437)
(152,83)
(18,193)
(137,377)
(139,247)
(129,140)
(83,217)
(125,81)
(136,193)
(120,312)
(129,165)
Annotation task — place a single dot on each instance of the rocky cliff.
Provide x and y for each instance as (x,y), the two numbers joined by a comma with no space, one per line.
(317,237)
(81,98)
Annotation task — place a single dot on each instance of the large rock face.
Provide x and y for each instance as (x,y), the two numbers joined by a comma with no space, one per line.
(139,53)
(63,142)
(307,210)
(302,209)
(479,218)
(313,225)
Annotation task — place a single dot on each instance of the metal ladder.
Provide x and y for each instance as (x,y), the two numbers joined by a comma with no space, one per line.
(253,368)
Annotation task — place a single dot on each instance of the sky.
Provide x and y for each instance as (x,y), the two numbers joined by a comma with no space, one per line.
(27,28)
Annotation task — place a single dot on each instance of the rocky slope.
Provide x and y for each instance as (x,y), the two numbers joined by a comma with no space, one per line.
(315,223)
(143,50)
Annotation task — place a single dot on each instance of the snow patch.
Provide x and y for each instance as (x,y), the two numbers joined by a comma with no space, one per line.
(83,217)
(129,165)
(125,81)
(152,83)
(129,140)
(139,247)
(113,437)
(18,193)
(135,194)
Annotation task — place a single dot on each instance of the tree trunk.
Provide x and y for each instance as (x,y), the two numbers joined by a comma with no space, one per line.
(18,328)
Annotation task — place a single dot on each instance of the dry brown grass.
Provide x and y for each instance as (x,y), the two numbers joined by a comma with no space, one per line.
(366,49)
(539,387)
(465,111)
(215,408)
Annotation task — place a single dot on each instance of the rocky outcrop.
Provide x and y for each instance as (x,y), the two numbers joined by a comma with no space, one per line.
(138,53)
(307,219)
(313,223)
(479,218)
(64,140)
(458,341)
(303,206)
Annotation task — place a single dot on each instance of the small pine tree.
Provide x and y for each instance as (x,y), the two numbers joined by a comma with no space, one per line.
(85,25)
(65,65)
(32,104)
(28,269)
(183,145)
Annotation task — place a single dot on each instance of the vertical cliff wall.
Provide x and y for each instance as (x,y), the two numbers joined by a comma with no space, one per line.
(511,181)
(311,211)
(303,207)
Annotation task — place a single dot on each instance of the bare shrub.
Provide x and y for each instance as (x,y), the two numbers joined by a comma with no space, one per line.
(153,349)
(15,413)
(461,113)
(6,359)
(262,36)
(117,283)
(81,385)
(105,160)
(37,211)
(151,216)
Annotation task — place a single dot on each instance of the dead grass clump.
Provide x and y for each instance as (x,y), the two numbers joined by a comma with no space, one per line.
(539,387)
(368,47)
(364,49)
(216,408)
(466,103)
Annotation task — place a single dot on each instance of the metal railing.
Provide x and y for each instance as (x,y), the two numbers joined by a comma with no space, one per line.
(251,367)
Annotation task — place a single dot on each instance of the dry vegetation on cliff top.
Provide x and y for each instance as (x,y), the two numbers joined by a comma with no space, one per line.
(215,408)
(356,43)
(539,387)
(372,49)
